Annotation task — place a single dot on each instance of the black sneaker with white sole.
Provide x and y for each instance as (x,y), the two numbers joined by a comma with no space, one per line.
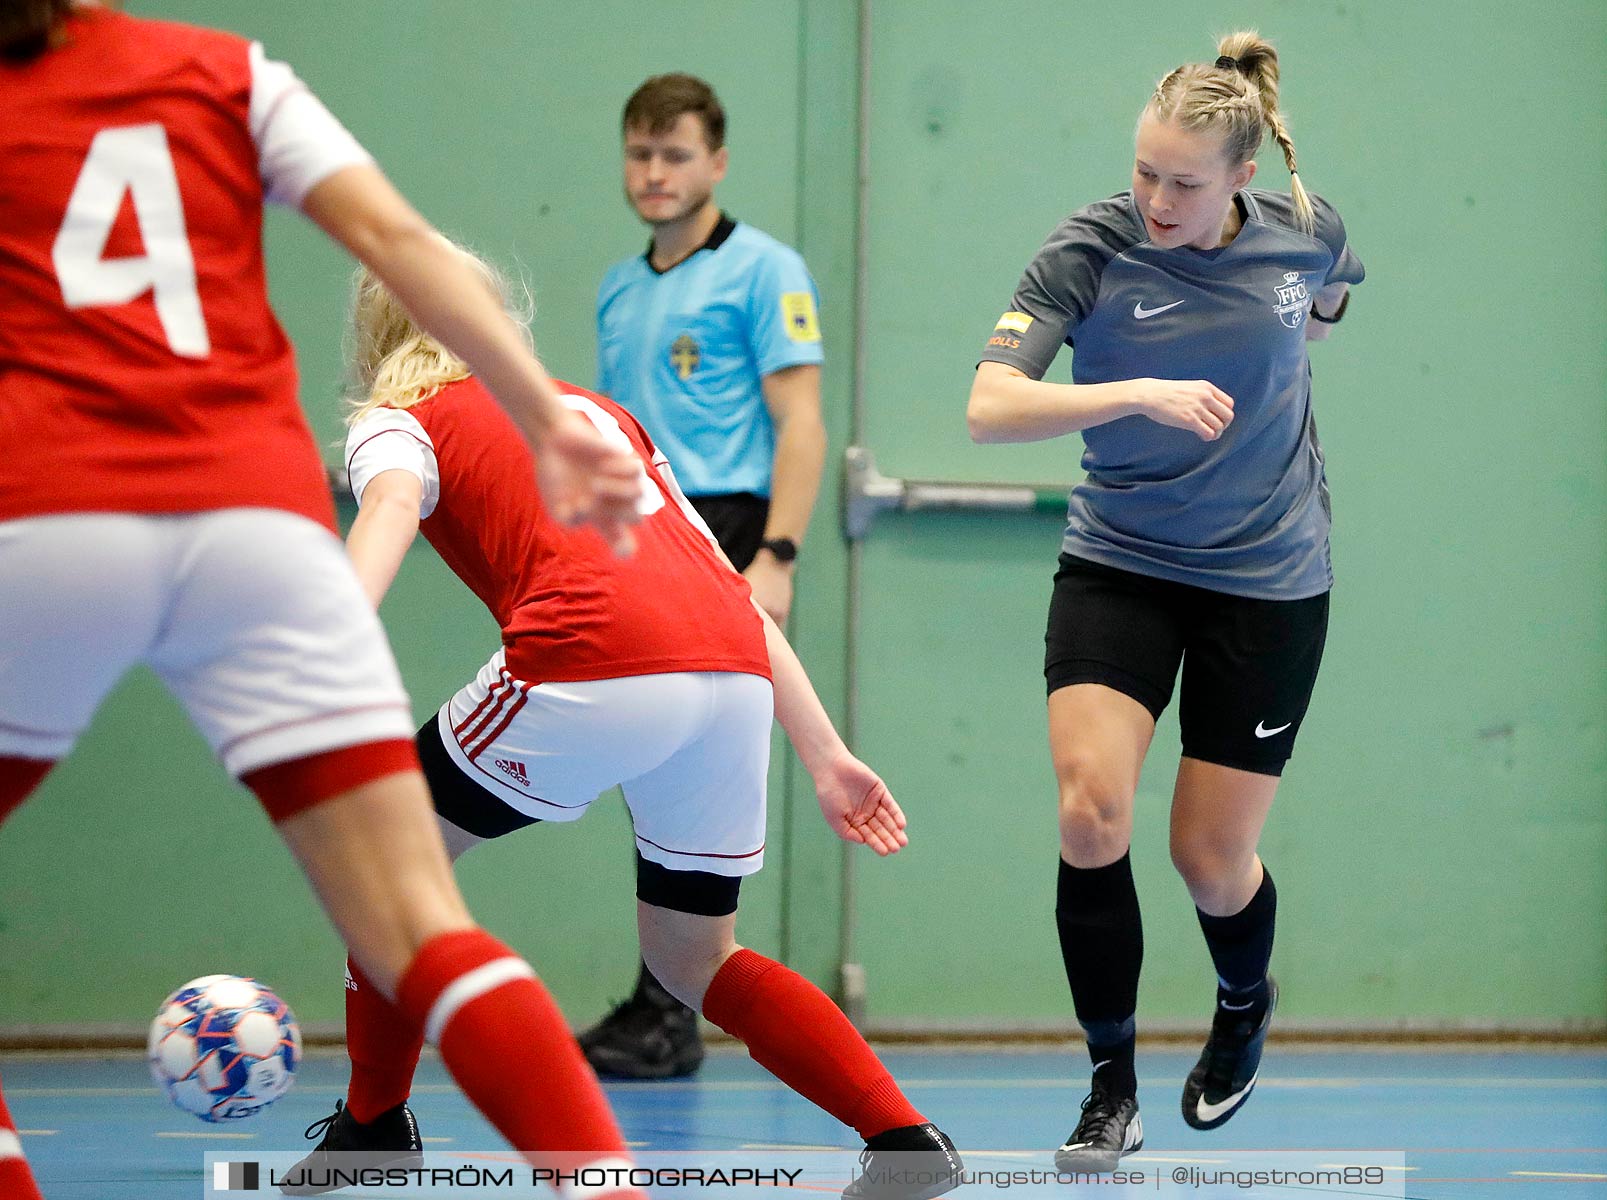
(389,1140)
(1229,1065)
(912,1162)
(1109,1128)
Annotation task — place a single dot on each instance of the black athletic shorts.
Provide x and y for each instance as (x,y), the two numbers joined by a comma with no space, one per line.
(1249,666)
(737,522)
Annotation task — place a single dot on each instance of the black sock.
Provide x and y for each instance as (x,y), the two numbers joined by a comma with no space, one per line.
(1241,948)
(1102,946)
(1110,1049)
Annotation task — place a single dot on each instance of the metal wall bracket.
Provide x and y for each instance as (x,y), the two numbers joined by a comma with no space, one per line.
(867,493)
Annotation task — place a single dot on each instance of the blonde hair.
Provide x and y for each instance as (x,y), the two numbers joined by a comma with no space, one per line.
(1238,102)
(394,363)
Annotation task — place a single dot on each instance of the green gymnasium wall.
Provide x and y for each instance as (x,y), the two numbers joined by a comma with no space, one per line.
(1440,841)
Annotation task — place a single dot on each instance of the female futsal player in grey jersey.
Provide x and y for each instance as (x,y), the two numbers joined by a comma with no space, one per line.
(1199,538)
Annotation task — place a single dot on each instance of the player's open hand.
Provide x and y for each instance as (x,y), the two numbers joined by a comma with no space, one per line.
(587,481)
(858,806)
(1196,405)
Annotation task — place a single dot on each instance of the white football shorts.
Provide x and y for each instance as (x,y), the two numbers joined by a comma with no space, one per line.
(691,751)
(252,617)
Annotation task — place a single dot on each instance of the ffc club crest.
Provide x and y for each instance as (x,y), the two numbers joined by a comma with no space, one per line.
(1293,299)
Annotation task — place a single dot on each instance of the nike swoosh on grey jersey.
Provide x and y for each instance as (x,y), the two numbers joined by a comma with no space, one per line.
(1141,313)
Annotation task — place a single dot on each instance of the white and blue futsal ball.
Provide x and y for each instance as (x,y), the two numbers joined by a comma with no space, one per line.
(223,1047)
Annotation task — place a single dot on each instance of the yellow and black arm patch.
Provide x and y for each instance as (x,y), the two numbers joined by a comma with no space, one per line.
(798,316)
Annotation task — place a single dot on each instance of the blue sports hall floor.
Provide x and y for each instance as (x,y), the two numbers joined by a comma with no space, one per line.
(1472,1123)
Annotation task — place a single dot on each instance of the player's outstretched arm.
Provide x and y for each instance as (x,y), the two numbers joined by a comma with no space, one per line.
(387,521)
(1008,406)
(583,478)
(852,797)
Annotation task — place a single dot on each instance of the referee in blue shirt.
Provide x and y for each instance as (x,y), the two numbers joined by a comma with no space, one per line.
(712,340)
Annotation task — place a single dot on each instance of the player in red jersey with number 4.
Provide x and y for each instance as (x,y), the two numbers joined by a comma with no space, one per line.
(162,500)
(654,673)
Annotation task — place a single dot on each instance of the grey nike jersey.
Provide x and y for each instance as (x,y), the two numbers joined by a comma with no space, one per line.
(1248,513)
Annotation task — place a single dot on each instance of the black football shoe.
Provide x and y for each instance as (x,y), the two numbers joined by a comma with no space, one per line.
(1229,1065)
(652,1035)
(912,1162)
(389,1140)
(1109,1128)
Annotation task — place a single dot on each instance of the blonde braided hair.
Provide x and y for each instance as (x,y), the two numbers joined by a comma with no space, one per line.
(1236,98)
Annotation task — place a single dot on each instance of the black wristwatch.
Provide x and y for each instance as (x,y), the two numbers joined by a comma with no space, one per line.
(1338,312)
(784,548)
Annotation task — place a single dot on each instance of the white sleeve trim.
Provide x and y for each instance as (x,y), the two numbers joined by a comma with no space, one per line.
(391,439)
(667,474)
(300,143)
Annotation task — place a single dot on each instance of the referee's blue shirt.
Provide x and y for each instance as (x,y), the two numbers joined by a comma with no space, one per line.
(685,349)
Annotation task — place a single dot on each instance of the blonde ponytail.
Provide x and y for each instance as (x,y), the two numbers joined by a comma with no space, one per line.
(394,363)
(1236,98)
(1257,61)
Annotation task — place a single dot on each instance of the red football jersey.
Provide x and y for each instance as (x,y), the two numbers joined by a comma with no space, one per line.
(569,608)
(141,368)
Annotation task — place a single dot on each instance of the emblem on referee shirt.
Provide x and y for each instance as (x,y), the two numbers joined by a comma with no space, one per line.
(798,310)
(684,355)
(1293,299)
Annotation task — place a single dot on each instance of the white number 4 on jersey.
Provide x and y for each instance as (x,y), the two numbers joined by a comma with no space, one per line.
(133,160)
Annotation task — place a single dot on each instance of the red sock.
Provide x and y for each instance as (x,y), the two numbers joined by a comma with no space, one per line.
(511,1052)
(794,1031)
(18,778)
(384,1047)
(16,1180)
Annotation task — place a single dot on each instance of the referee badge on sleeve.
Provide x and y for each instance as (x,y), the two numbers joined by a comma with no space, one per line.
(798,314)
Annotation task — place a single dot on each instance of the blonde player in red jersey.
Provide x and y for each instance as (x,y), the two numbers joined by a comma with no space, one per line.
(654,673)
(149,418)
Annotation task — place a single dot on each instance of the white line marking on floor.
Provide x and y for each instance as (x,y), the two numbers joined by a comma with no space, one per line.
(794,1146)
(220,1137)
(1361,1167)
(1556,1175)
(1592,1083)
(37,1132)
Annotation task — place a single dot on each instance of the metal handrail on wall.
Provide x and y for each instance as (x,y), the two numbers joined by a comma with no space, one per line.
(867,493)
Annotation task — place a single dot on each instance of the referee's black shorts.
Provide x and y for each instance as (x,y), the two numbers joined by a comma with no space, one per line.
(736,520)
(1249,666)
